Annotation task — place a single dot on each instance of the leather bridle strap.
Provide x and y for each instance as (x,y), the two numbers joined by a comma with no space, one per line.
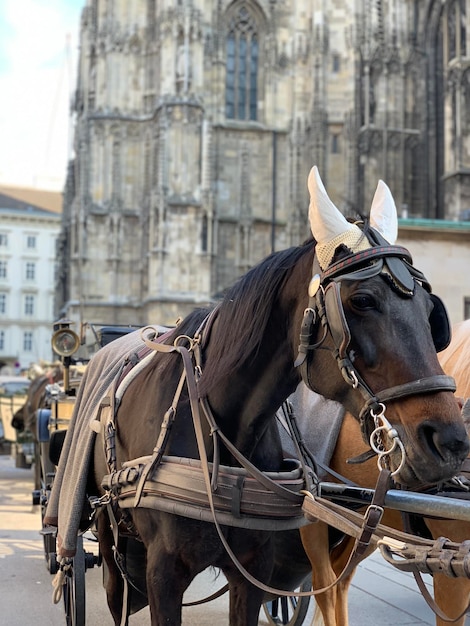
(336,323)
(344,266)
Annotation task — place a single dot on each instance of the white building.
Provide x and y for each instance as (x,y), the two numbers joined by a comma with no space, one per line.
(28,237)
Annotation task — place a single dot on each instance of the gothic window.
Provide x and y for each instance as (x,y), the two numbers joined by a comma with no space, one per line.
(3,303)
(204,233)
(463,29)
(456,29)
(336,63)
(451,24)
(466,100)
(335,143)
(183,63)
(241,85)
(3,269)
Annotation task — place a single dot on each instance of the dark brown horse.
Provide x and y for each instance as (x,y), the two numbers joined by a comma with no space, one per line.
(25,417)
(452,595)
(368,324)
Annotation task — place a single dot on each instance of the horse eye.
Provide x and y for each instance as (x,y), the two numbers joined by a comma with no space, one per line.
(362,302)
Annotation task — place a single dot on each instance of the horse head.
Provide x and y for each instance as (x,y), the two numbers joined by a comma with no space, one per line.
(373,312)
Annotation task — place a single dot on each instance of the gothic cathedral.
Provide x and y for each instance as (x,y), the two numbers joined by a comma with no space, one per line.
(197,122)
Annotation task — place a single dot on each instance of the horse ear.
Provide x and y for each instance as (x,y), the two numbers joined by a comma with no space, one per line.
(383,213)
(326,221)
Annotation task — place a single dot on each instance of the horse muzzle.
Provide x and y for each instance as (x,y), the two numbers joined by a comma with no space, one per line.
(434,456)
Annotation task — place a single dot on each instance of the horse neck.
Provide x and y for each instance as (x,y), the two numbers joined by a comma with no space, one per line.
(250,394)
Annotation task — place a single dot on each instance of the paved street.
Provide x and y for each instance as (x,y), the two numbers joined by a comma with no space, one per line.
(380,593)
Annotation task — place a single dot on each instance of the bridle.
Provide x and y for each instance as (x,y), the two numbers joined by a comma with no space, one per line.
(325,310)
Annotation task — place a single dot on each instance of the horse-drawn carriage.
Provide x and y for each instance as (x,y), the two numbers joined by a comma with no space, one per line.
(174,453)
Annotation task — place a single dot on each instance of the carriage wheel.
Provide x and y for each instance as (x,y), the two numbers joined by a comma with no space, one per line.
(289,610)
(46,476)
(74,588)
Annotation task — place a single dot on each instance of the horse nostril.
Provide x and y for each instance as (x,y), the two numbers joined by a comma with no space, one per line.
(445,440)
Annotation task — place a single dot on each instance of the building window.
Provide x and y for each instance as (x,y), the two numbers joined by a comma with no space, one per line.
(28,341)
(334,143)
(2,340)
(3,303)
(3,240)
(30,271)
(466,308)
(31,242)
(336,63)
(241,86)
(29,305)
(3,269)
(204,233)
(456,29)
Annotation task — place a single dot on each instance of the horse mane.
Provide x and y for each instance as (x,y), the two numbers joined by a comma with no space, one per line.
(455,359)
(244,312)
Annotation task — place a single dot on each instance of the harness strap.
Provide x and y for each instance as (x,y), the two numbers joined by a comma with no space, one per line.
(160,446)
(376,252)
(440,382)
(371,519)
(422,585)
(118,559)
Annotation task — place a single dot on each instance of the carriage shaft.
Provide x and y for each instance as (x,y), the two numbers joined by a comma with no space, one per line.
(427,505)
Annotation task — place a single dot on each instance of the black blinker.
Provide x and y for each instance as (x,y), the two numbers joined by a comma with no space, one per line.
(440,325)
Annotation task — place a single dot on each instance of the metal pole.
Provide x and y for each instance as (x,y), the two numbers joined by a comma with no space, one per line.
(408,501)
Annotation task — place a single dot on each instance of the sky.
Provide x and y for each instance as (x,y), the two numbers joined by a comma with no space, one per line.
(39,42)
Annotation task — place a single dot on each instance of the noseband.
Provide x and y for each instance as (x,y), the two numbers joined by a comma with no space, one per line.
(325,308)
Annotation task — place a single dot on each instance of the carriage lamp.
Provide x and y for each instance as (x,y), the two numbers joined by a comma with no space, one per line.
(65,342)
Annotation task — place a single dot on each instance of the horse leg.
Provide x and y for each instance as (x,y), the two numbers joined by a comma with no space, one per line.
(113,581)
(245,599)
(315,542)
(167,580)
(452,596)
(339,558)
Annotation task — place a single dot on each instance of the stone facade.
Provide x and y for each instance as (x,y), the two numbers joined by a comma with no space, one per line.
(197,122)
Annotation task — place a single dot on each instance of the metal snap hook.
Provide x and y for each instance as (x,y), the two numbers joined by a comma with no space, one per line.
(377,438)
(381,462)
(350,377)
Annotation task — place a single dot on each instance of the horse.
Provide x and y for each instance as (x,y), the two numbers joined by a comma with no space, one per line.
(25,417)
(452,595)
(369,327)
